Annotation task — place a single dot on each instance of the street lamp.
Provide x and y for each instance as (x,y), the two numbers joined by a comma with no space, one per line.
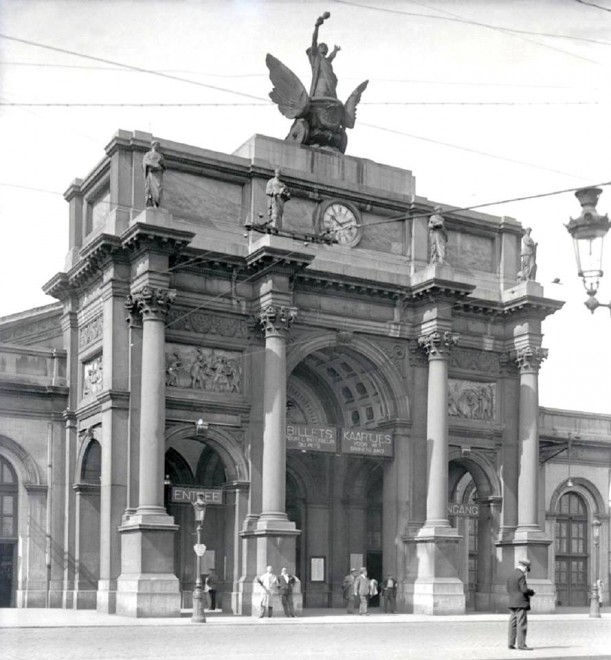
(199,508)
(588,232)
(594,601)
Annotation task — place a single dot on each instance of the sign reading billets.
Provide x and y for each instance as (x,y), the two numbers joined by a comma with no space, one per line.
(353,441)
(186,495)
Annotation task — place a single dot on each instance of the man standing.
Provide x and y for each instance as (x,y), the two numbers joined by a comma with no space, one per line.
(348,591)
(519,604)
(285,589)
(269,582)
(389,590)
(361,589)
(211,584)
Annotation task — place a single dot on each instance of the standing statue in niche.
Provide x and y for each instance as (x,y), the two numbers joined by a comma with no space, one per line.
(277,194)
(438,237)
(320,119)
(153,166)
(528,258)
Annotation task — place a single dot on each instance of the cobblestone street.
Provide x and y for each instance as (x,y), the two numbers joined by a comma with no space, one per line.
(91,636)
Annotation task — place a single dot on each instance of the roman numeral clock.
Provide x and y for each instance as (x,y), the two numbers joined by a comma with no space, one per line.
(341,221)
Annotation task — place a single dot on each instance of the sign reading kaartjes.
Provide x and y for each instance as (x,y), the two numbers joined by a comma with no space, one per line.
(311,438)
(184,495)
(367,442)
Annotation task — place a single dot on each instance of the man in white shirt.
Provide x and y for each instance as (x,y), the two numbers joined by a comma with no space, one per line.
(269,582)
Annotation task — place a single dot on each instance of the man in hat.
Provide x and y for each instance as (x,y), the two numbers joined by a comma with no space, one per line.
(362,590)
(348,591)
(519,604)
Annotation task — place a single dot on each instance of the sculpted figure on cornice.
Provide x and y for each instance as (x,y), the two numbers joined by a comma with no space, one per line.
(438,344)
(474,360)
(92,376)
(205,369)
(529,358)
(471,400)
(182,318)
(91,330)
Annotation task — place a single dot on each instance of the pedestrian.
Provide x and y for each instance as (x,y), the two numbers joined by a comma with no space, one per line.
(285,589)
(361,589)
(348,591)
(269,582)
(373,588)
(519,604)
(389,591)
(211,584)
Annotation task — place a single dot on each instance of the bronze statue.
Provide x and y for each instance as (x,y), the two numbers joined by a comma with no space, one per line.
(438,237)
(320,118)
(277,194)
(153,166)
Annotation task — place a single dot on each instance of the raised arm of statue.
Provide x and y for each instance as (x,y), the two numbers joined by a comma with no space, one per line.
(334,52)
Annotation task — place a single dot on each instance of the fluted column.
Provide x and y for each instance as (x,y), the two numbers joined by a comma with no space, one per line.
(529,360)
(153,304)
(437,345)
(276,322)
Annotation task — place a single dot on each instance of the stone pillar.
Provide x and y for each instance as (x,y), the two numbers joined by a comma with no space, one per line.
(530,539)
(147,586)
(438,589)
(275,533)
(134,319)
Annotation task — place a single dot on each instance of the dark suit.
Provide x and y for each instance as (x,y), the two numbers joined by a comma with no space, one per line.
(519,604)
(285,589)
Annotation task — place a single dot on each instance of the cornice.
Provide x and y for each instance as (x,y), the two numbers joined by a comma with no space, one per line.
(141,236)
(275,259)
(108,399)
(312,281)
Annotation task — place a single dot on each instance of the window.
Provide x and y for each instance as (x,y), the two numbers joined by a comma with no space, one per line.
(8,500)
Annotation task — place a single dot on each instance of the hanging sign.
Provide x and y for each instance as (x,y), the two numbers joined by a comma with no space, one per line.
(367,442)
(466,510)
(311,438)
(186,495)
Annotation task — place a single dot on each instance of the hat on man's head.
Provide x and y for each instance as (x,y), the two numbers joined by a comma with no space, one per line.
(525,563)
(352,570)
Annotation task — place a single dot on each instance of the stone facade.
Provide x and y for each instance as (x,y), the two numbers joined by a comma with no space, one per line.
(183,345)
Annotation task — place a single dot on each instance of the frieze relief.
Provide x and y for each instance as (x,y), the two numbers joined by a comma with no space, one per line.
(396,354)
(91,331)
(92,376)
(474,360)
(472,400)
(183,318)
(207,369)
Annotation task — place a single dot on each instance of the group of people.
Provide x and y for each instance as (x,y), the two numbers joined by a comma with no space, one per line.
(358,588)
(281,585)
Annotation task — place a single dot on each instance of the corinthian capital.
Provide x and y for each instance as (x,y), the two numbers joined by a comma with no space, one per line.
(438,344)
(274,319)
(529,358)
(151,302)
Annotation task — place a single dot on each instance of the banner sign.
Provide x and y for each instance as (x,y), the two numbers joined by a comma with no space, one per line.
(186,495)
(367,443)
(466,510)
(311,438)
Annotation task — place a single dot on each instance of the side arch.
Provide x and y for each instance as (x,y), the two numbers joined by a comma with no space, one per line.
(484,475)
(25,466)
(583,487)
(228,449)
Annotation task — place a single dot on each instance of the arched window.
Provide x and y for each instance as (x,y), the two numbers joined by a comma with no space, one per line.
(571,551)
(8,532)
(91,469)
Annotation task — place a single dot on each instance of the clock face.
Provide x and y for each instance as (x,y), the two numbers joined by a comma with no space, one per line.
(342,223)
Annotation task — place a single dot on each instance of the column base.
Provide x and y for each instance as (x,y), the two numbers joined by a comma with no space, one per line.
(147,586)
(107,596)
(439,596)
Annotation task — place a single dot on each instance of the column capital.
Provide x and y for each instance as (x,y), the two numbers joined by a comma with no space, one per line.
(152,303)
(437,345)
(276,319)
(529,358)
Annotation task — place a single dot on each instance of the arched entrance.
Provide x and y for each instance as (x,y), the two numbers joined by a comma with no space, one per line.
(205,460)
(8,533)
(571,550)
(345,383)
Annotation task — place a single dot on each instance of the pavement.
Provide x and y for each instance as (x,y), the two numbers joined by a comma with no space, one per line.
(56,634)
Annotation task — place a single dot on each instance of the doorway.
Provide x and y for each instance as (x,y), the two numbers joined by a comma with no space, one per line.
(8,533)
(571,551)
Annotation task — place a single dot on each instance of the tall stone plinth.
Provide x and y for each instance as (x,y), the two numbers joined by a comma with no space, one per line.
(438,589)
(147,586)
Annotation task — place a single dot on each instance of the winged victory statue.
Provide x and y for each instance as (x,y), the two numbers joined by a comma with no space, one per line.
(320,119)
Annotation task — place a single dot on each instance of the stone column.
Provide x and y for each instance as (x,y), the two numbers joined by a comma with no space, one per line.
(147,586)
(438,589)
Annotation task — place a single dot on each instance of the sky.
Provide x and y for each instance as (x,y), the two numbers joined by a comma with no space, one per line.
(485,101)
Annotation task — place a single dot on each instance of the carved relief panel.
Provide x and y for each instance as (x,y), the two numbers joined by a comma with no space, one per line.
(207,369)
(92,376)
(472,400)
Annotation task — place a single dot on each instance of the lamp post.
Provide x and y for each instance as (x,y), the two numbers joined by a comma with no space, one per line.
(199,508)
(594,601)
(588,232)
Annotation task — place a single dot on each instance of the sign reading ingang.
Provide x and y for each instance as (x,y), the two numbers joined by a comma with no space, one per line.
(185,495)
(368,443)
(313,438)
